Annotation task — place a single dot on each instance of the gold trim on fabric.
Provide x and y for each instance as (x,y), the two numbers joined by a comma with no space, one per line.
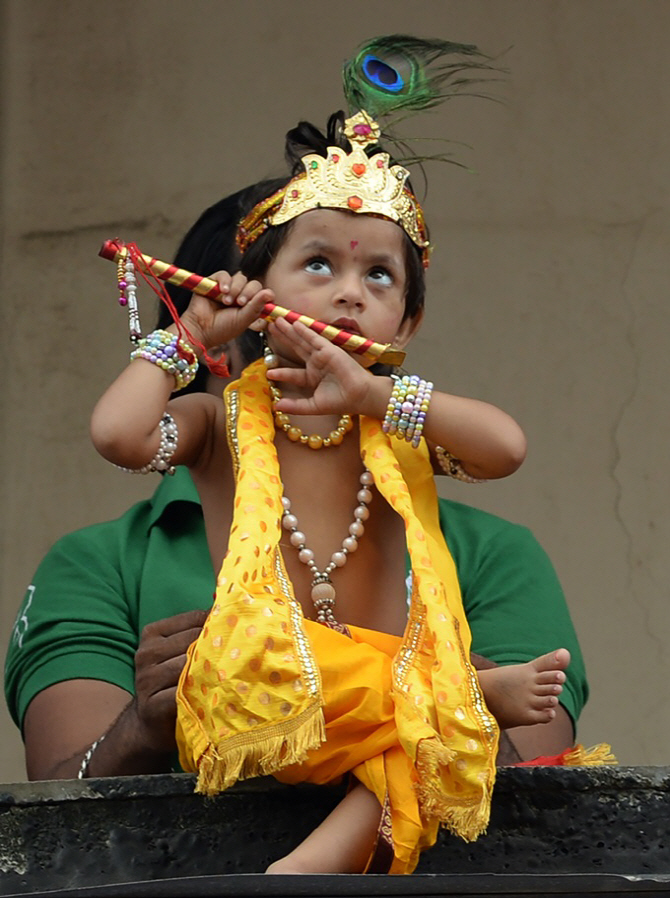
(412,638)
(231,401)
(310,668)
(487,722)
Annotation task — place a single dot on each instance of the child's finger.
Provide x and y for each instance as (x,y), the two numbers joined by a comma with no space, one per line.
(249,310)
(300,334)
(295,376)
(237,285)
(286,331)
(224,280)
(252,288)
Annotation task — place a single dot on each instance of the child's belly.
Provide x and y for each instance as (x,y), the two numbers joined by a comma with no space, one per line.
(370,590)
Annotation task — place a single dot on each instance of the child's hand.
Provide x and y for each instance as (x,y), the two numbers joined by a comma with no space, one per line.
(332,381)
(215,321)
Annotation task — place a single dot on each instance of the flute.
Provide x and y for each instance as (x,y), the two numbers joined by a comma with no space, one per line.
(354,343)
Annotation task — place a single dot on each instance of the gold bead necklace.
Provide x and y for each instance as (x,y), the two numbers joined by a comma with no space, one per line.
(314,440)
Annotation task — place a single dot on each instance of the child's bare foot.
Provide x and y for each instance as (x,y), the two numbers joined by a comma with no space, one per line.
(285,865)
(342,843)
(525,694)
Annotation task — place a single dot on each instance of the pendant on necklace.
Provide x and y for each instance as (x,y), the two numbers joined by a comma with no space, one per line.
(323,593)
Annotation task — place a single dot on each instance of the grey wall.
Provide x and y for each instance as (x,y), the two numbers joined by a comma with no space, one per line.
(547,294)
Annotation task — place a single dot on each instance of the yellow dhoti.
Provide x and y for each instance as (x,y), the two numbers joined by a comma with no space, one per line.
(358,711)
(362,736)
(265,691)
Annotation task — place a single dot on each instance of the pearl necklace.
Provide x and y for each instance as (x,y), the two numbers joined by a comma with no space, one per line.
(313,440)
(323,592)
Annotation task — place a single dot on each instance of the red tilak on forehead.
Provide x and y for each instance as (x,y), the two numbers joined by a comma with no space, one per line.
(353,244)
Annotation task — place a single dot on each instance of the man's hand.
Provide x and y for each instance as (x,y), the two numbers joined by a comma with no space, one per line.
(159,661)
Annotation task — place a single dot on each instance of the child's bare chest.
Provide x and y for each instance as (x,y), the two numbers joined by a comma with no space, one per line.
(362,552)
(324,491)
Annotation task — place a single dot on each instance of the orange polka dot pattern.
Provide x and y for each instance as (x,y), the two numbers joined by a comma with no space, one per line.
(439,706)
(251,665)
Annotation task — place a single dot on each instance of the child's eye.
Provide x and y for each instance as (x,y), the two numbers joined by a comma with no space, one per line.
(318,266)
(381,276)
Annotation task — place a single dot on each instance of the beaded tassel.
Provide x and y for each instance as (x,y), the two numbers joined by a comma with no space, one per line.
(128,294)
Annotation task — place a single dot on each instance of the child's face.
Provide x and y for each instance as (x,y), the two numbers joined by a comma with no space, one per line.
(347,270)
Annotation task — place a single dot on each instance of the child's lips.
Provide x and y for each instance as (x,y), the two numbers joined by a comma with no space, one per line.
(347,324)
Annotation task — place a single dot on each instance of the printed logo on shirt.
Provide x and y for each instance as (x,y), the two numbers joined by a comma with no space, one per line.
(21,625)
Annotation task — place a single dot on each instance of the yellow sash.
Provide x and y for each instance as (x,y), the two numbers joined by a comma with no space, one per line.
(250,700)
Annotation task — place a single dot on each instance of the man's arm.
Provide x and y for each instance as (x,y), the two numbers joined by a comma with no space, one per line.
(64,720)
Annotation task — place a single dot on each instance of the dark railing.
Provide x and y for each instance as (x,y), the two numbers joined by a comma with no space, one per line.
(567,831)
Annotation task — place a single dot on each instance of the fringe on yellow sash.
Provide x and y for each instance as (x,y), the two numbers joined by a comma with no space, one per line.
(467,817)
(259,754)
(595,756)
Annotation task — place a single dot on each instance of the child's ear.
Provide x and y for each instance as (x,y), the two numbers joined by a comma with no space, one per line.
(408,329)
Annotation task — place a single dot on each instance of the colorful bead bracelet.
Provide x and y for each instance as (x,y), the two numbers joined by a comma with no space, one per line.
(169,352)
(407,408)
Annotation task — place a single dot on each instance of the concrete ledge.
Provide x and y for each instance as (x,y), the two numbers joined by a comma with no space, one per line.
(474,885)
(608,826)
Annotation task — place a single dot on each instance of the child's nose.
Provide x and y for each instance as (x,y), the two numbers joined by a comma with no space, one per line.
(349,291)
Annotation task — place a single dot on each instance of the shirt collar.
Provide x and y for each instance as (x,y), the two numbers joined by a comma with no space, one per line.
(176,488)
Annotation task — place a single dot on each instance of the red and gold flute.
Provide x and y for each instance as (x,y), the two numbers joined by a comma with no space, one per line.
(376,352)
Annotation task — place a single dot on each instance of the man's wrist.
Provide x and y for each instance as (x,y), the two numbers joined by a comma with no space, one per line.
(125,750)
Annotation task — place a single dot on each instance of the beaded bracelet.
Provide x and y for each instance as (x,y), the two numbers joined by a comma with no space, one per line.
(83,770)
(407,408)
(452,467)
(169,352)
(168,444)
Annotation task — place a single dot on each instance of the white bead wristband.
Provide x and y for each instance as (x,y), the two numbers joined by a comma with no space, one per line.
(167,448)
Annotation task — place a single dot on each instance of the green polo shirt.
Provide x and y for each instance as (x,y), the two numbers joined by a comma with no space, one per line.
(98,587)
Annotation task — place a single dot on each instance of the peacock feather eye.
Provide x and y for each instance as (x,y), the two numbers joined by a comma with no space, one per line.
(381,74)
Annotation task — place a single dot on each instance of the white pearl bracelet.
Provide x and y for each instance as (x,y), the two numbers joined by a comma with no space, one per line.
(168,445)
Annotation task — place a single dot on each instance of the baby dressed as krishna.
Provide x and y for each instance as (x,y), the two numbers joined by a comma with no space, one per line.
(326,654)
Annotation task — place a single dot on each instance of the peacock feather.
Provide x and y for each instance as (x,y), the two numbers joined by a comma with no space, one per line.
(399,72)
(393,76)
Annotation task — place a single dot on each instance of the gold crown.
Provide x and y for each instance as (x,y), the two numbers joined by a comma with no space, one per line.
(351,181)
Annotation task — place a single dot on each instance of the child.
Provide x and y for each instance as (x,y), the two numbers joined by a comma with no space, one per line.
(387,696)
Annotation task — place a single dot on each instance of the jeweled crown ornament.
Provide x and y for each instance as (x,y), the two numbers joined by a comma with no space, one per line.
(354,182)
(357,183)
